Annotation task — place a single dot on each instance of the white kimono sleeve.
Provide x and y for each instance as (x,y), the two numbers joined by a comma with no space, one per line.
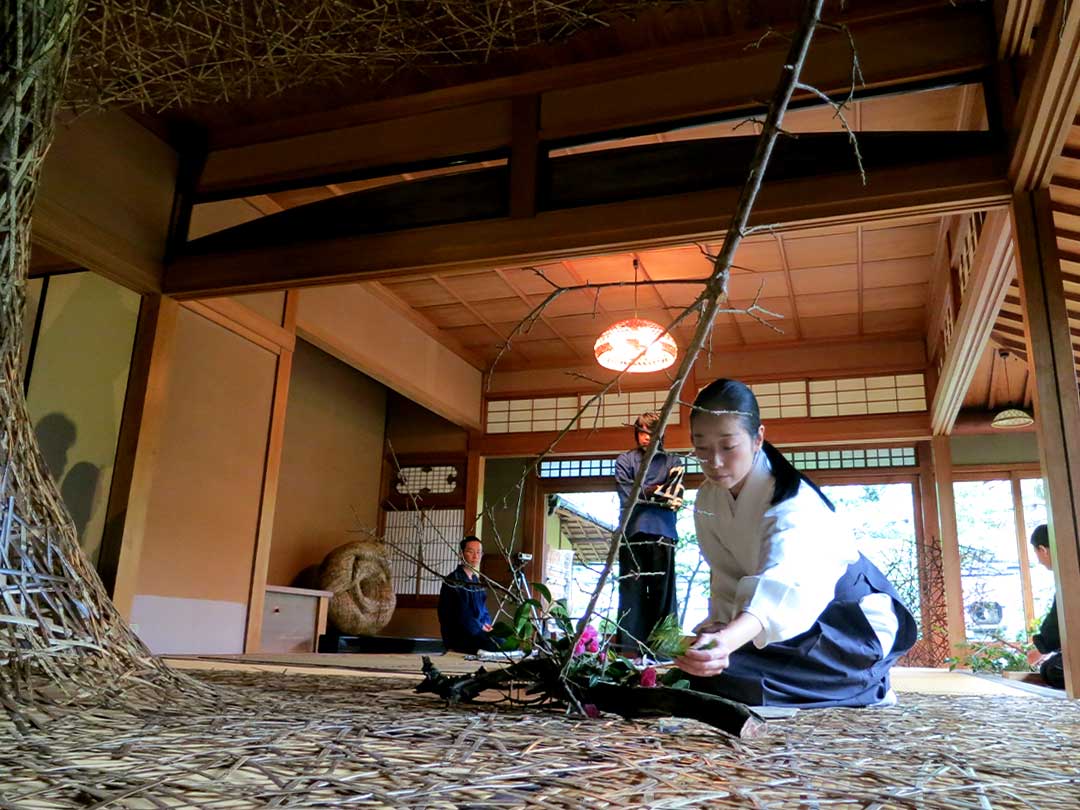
(805,550)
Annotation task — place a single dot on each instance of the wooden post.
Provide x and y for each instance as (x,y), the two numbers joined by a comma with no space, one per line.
(1022,550)
(271,471)
(941,481)
(524,155)
(1057,406)
(137,449)
(474,491)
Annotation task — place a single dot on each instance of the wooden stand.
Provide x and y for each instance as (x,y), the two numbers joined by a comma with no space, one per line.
(293,619)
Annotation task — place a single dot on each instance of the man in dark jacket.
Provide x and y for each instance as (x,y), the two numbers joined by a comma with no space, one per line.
(463,615)
(1047,653)
(647,554)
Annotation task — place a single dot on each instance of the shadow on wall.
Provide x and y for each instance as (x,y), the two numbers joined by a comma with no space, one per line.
(56,435)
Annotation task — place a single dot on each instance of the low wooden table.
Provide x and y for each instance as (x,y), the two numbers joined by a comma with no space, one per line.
(293,619)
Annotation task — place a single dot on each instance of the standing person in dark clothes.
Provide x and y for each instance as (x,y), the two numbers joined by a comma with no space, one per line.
(1047,653)
(648,548)
(463,615)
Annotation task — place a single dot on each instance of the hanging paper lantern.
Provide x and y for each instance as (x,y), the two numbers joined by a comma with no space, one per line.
(1012,418)
(619,344)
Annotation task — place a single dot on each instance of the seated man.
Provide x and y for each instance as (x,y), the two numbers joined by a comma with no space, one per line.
(1047,653)
(463,614)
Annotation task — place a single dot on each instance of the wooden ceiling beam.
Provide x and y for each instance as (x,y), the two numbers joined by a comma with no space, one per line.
(713,79)
(935,186)
(1048,98)
(1016,20)
(991,273)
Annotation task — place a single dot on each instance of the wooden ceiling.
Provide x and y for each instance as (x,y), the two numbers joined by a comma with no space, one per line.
(1010,331)
(827,284)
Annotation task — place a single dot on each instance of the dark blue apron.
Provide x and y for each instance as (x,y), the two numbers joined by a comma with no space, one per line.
(837,662)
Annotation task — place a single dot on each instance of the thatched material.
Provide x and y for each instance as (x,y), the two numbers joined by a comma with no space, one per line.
(177,53)
(61,640)
(359,577)
(304,742)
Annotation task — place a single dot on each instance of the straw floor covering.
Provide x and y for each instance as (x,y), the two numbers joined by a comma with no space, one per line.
(277,740)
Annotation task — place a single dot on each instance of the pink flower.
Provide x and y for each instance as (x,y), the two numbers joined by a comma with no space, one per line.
(591,710)
(590,641)
(648,677)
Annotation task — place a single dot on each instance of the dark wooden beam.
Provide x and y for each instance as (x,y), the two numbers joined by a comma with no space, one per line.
(349,238)
(524,156)
(713,79)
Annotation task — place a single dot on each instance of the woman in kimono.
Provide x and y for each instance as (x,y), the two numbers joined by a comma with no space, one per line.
(797,617)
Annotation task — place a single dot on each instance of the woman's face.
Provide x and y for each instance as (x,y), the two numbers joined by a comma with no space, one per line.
(724,448)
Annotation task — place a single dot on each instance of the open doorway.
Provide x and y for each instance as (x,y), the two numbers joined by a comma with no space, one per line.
(578,534)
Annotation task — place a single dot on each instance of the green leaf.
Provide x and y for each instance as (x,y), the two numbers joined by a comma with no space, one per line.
(542,589)
(666,639)
(559,609)
(503,630)
(607,627)
(675,678)
(523,615)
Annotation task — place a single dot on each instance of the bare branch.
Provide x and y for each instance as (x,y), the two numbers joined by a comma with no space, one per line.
(716,288)
(838,108)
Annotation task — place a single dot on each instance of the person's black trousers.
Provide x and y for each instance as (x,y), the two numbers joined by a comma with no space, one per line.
(646,588)
(1053,671)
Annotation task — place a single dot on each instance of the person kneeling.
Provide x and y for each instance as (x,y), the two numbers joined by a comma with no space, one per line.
(826,626)
(1046,657)
(463,615)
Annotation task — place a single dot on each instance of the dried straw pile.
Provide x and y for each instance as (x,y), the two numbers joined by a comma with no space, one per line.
(61,641)
(303,742)
(177,53)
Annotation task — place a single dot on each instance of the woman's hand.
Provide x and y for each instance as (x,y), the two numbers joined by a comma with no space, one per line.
(1036,658)
(709,655)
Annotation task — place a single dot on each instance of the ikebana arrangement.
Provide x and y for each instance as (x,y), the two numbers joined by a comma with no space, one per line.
(581,673)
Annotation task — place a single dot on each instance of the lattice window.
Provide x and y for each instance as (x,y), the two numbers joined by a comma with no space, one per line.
(439,480)
(620,410)
(555,413)
(781,400)
(868,395)
(528,415)
(856,458)
(578,468)
(594,467)
(423,547)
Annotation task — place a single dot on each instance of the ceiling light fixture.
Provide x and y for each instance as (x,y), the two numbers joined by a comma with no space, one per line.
(635,344)
(1009,417)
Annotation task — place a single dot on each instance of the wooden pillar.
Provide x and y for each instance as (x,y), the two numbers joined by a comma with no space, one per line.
(271,471)
(474,491)
(137,449)
(1022,550)
(1057,406)
(941,491)
(524,155)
